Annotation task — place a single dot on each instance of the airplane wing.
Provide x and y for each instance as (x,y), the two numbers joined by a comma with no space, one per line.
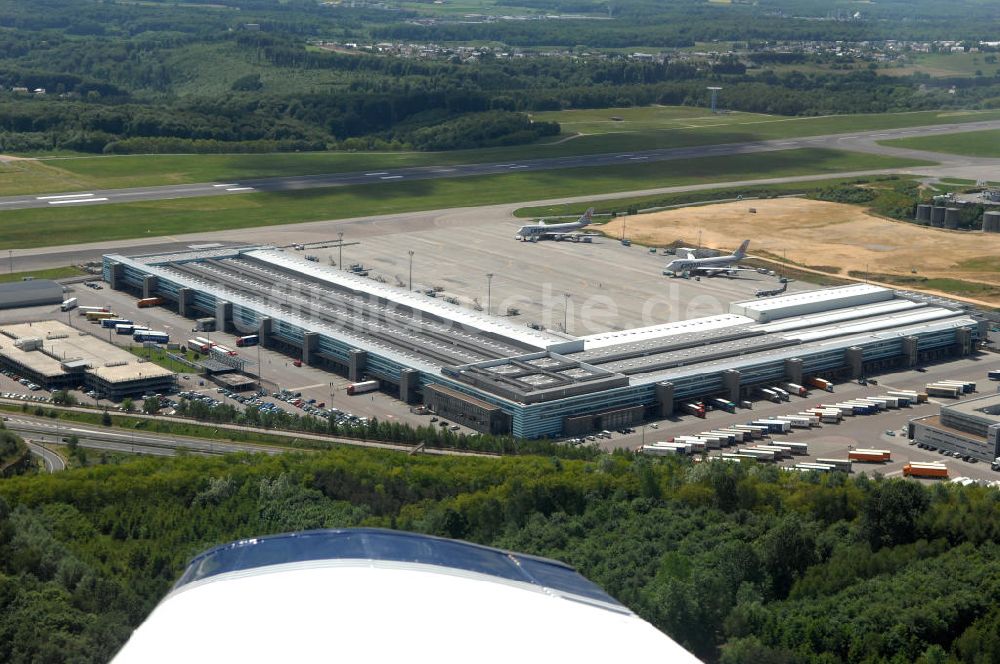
(712,271)
(376,595)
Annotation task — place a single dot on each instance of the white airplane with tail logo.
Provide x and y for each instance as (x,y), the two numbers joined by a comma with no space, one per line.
(690,265)
(567,231)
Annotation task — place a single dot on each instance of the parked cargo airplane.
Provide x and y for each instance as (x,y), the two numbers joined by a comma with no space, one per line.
(536,232)
(688,264)
(368,595)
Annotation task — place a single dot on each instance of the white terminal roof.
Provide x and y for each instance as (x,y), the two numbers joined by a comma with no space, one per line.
(62,343)
(694,325)
(381,611)
(766,309)
(413,300)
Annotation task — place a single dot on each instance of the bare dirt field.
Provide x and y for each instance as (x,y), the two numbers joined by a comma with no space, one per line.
(834,238)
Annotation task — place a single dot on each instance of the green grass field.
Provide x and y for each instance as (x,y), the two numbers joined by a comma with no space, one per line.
(606,206)
(169,217)
(642,128)
(970,144)
(53,273)
(944,65)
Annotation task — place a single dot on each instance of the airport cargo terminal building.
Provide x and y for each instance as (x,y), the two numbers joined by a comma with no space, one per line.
(498,376)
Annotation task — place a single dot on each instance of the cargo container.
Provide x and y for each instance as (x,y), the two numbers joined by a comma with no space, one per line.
(910,396)
(94,316)
(843,465)
(69,304)
(773,426)
(696,409)
(817,467)
(150,302)
(660,450)
(205,343)
(754,431)
(738,434)
(760,455)
(362,387)
(724,404)
(918,469)
(702,442)
(769,394)
(797,421)
(938,390)
(110,323)
(843,409)
(205,325)
(249,340)
(779,452)
(967,385)
(870,456)
(879,402)
(862,407)
(890,402)
(798,449)
(796,389)
(150,335)
(736,458)
(781,393)
(724,438)
(820,383)
(813,417)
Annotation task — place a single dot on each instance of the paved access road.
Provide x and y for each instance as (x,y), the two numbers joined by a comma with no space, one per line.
(860,141)
(53,462)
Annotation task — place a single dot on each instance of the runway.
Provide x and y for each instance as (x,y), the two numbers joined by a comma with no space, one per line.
(859,142)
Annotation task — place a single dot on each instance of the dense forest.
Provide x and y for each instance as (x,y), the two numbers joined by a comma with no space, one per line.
(165,77)
(740,563)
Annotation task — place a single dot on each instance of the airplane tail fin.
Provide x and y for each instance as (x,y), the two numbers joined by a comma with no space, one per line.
(742,251)
(587,217)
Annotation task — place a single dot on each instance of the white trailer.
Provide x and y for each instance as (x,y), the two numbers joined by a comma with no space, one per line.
(755,431)
(839,464)
(939,390)
(760,455)
(69,304)
(797,421)
(817,467)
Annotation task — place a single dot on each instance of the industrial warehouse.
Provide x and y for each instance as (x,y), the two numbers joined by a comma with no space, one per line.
(56,356)
(494,375)
(969,428)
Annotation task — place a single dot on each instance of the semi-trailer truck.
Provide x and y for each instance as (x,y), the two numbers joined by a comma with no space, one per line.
(939,390)
(111,323)
(993,375)
(843,465)
(249,340)
(150,302)
(724,404)
(924,469)
(150,335)
(870,456)
(69,304)
(362,387)
(796,389)
(696,409)
(820,383)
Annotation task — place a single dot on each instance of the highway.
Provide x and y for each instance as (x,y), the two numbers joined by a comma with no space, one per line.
(47,430)
(859,141)
(136,442)
(53,462)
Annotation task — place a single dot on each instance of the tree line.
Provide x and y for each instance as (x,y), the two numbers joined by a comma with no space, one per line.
(737,562)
